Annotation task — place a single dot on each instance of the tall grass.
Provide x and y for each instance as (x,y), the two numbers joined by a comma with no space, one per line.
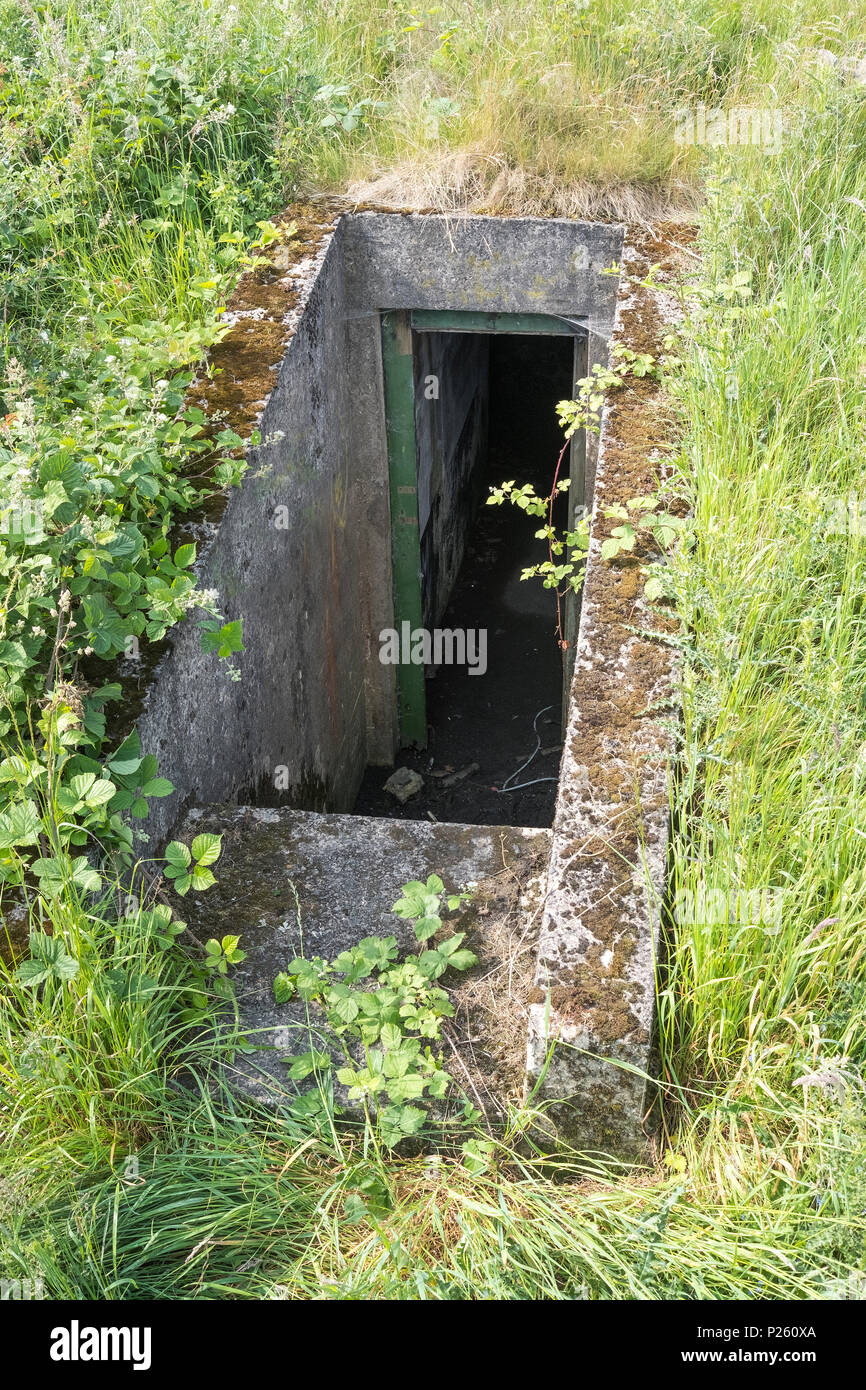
(130,1170)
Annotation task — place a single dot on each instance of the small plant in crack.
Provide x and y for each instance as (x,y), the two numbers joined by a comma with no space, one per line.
(640,514)
(647,515)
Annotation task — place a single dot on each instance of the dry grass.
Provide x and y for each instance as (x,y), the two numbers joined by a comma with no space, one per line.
(487,1035)
(473,181)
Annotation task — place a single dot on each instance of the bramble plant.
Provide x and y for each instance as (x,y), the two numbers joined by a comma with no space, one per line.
(58,796)
(389,1020)
(190,867)
(572,544)
(88,570)
(584,411)
(67,965)
(565,566)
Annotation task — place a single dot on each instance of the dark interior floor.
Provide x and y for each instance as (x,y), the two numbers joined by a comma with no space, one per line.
(487,720)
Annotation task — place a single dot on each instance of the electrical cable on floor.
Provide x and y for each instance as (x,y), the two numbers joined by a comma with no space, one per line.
(520,785)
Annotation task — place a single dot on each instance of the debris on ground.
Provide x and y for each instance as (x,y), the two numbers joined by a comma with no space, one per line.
(403,784)
(451,779)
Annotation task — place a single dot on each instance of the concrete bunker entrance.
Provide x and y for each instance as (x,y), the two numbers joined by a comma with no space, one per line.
(481,678)
(303,555)
(360,471)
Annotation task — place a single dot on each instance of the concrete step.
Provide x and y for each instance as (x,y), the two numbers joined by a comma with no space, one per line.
(299,882)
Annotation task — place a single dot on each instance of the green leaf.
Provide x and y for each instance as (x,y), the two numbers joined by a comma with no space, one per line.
(407,1087)
(206,849)
(47,868)
(157,786)
(32,972)
(397,1064)
(411,903)
(307,1063)
(66,968)
(82,783)
(463,960)
(225,641)
(354,1209)
(427,927)
(342,1002)
(49,959)
(478,1154)
(177,854)
(124,767)
(378,950)
(84,875)
(184,556)
(390,1036)
(100,793)
(284,988)
(21,825)
(308,975)
(432,964)
(396,1122)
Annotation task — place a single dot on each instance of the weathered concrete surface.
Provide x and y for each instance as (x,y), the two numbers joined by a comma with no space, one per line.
(283,558)
(595,983)
(347,872)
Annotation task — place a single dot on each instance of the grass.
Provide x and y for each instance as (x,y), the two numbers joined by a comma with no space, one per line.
(126,1175)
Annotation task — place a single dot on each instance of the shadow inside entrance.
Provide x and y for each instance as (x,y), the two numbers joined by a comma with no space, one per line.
(482,727)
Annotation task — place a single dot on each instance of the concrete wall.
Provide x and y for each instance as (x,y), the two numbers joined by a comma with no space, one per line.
(284,558)
(451,408)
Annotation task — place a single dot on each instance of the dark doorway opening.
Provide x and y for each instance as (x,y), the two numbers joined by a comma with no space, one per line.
(501,425)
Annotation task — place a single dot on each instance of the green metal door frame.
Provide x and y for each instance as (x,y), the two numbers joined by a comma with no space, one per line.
(473,321)
(398,374)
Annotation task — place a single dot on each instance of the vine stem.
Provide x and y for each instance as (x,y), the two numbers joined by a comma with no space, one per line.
(551,499)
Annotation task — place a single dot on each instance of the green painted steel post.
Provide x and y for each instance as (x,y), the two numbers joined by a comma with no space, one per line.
(399,382)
